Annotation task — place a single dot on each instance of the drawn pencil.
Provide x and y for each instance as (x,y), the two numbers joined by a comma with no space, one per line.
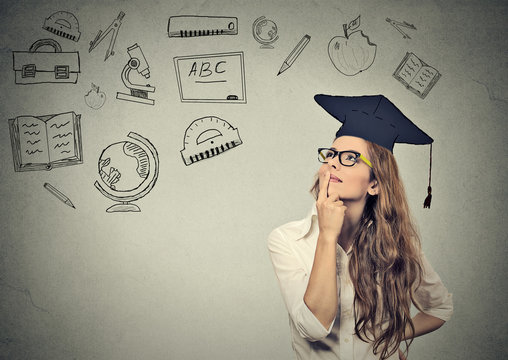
(59,195)
(294,54)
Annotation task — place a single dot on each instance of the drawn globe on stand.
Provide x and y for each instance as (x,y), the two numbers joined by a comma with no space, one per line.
(265,32)
(128,171)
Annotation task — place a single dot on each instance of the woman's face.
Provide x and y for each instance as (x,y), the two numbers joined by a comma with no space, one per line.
(352,183)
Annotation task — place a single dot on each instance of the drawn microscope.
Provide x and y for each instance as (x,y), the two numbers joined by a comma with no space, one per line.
(139,93)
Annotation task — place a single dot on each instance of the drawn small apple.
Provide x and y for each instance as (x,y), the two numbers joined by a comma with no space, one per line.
(352,53)
(95,98)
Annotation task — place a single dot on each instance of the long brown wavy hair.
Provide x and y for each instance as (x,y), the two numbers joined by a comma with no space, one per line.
(385,265)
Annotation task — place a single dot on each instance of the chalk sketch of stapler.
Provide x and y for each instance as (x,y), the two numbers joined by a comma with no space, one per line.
(139,93)
(115,26)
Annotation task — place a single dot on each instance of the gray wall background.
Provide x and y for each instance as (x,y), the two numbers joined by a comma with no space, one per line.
(189,277)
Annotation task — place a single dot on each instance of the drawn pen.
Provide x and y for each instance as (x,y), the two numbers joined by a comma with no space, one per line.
(59,195)
(294,54)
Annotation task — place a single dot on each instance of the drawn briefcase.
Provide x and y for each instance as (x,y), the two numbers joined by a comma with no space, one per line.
(36,67)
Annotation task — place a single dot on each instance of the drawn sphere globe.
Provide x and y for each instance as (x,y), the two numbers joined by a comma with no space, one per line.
(128,170)
(125,161)
(265,31)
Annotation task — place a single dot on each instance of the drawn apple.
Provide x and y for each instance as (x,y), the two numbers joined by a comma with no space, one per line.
(352,53)
(95,98)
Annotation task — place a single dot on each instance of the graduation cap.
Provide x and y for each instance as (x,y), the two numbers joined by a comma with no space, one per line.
(376,119)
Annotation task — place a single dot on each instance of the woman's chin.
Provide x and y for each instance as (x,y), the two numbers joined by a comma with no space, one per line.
(333,192)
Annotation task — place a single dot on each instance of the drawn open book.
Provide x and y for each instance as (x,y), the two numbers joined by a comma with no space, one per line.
(45,142)
(416,75)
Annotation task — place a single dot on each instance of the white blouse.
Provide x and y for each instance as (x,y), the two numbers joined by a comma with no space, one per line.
(292,247)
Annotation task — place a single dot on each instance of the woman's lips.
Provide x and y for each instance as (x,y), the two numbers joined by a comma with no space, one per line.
(334,178)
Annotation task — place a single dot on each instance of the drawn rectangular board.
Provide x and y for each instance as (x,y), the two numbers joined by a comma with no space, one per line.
(46,142)
(416,75)
(212,78)
(193,25)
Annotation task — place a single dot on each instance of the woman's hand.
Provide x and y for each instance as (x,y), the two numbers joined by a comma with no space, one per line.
(330,209)
(321,295)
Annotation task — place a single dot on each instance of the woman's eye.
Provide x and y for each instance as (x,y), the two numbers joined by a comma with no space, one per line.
(329,154)
(351,157)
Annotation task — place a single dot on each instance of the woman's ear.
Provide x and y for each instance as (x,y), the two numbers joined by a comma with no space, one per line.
(373,188)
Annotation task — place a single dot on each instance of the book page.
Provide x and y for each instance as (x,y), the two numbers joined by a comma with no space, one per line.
(61,137)
(424,77)
(33,142)
(411,67)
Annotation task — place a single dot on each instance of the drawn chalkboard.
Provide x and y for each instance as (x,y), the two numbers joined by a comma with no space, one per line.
(211,78)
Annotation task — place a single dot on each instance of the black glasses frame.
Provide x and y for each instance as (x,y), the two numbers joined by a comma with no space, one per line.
(339,154)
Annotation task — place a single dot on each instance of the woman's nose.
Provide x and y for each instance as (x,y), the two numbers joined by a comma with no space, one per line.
(334,163)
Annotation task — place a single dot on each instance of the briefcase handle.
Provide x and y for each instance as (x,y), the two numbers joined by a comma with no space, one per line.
(43,42)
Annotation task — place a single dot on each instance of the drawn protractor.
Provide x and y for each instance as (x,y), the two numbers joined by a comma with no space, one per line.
(64,24)
(207,137)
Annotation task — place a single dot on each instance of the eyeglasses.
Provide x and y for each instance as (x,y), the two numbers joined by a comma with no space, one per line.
(346,158)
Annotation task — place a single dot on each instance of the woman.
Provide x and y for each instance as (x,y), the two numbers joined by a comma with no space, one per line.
(350,271)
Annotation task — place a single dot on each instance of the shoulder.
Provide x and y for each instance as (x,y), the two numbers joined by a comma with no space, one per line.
(286,233)
(291,231)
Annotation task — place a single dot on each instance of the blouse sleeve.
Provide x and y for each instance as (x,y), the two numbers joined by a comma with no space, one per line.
(432,295)
(293,280)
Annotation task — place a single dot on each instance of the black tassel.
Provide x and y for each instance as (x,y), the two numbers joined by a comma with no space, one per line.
(426,203)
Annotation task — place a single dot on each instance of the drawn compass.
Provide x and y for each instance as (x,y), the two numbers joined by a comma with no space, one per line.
(397,25)
(114,27)
(207,137)
(64,24)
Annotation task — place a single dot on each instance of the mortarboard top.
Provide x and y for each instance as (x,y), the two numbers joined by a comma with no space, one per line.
(373,118)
